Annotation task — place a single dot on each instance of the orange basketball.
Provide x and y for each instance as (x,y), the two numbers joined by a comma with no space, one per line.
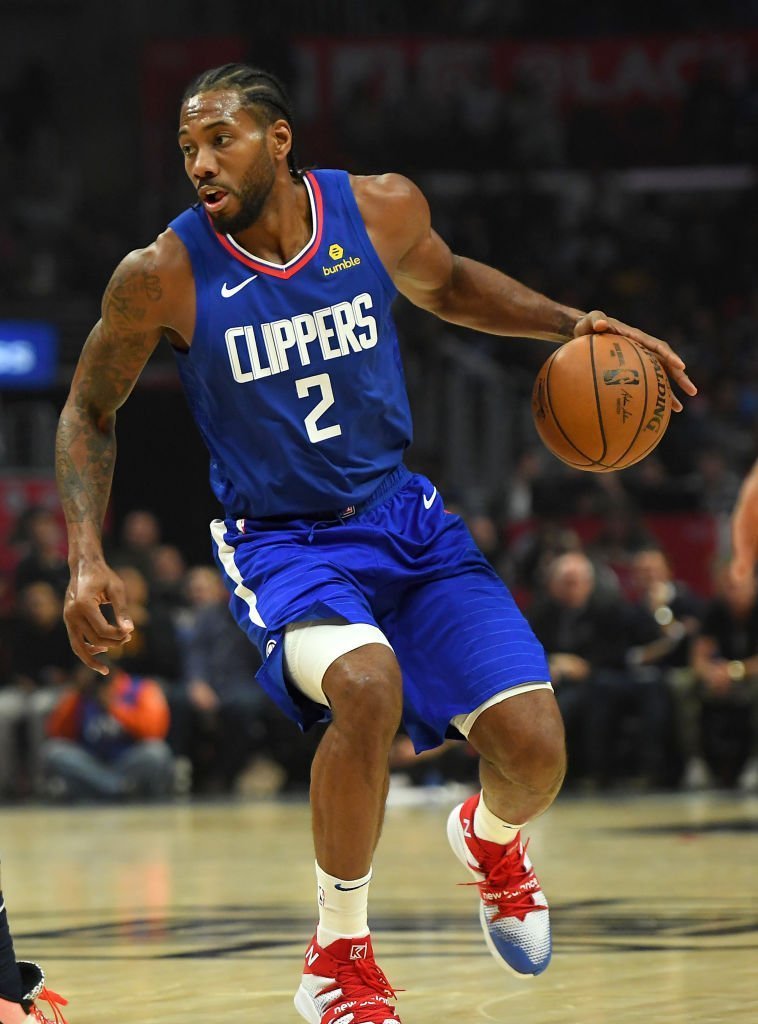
(601,402)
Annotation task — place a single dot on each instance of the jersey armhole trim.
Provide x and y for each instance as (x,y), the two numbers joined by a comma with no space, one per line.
(199,275)
(353,212)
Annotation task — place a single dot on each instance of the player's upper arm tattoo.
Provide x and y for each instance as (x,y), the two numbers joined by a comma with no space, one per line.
(129,293)
(128,333)
(112,358)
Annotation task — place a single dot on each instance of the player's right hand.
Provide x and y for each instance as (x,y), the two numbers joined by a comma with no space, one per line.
(89,632)
(597,322)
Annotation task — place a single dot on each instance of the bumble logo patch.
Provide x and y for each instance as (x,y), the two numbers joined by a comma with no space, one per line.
(345,263)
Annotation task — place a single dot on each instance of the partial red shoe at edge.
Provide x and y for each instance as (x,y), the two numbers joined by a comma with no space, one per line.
(27,1011)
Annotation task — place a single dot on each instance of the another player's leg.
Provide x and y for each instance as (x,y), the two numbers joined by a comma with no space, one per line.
(341,980)
(22,983)
(521,743)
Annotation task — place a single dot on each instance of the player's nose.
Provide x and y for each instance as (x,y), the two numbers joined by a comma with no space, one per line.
(205,165)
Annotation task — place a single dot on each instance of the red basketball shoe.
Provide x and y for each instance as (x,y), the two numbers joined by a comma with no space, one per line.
(513,910)
(27,1011)
(342,984)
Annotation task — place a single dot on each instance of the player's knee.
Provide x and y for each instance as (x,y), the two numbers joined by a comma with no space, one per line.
(364,689)
(524,740)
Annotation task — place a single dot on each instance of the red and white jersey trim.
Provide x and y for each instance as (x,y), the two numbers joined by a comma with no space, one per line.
(285,270)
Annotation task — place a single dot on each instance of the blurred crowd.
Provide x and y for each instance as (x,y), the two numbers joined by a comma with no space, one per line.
(178,713)
(658,684)
(475,125)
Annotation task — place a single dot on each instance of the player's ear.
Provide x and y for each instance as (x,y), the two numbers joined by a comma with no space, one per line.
(281,136)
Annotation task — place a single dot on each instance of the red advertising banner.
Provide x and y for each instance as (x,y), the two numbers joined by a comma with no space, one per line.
(347,91)
(656,69)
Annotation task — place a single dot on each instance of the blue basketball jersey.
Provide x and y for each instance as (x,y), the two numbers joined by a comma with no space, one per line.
(294,374)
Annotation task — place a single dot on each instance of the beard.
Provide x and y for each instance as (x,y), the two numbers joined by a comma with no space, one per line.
(251,196)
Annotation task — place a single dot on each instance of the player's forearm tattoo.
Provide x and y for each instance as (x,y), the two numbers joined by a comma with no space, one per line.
(111,360)
(84,458)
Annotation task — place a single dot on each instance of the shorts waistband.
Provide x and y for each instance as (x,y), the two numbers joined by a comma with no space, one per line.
(391,483)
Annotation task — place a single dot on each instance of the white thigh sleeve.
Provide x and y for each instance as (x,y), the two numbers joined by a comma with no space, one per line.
(465,723)
(311,647)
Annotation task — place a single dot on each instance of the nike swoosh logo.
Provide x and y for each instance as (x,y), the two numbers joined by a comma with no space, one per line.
(227,292)
(428,502)
(349,888)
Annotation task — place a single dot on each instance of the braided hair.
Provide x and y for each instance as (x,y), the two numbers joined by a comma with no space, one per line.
(256,88)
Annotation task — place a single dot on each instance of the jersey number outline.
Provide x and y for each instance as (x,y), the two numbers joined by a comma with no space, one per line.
(306,385)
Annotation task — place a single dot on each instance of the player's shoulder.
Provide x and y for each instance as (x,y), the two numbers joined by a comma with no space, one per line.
(390,188)
(165,256)
(160,269)
(390,203)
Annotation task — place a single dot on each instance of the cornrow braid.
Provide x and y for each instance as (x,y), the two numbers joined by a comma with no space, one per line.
(257,88)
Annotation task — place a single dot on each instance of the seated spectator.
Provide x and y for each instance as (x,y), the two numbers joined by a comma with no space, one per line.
(654,585)
(107,739)
(41,656)
(676,609)
(153,649)
(169,572)
(229,709)
(621,536)
(677,612)
(528,557)
(43,547)
(587,633)
(139,539)
(201,586)
(41,661)
(725,682)
(201,589)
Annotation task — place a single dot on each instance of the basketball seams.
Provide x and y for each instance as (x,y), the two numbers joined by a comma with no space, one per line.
(555,419)
(655,442)
(598,406)
(657,437)
(643,417)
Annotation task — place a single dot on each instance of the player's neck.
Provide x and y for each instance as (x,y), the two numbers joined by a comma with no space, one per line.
(284,226)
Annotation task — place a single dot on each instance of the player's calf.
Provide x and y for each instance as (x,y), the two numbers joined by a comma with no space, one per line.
(522,744)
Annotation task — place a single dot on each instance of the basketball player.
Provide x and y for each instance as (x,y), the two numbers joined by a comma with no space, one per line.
(22,983)
(745,528)
(367,601)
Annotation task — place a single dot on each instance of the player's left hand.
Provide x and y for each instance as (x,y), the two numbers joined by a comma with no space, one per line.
(596,322)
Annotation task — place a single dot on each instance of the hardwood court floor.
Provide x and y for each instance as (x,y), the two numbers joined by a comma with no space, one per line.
(160,914)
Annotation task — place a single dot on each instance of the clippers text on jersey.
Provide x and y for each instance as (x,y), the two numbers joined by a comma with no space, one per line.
(333,331)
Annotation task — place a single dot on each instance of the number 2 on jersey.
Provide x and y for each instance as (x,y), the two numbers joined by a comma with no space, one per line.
(306,385)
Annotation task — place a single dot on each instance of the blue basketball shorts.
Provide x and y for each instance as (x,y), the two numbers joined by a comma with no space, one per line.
(401,563)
